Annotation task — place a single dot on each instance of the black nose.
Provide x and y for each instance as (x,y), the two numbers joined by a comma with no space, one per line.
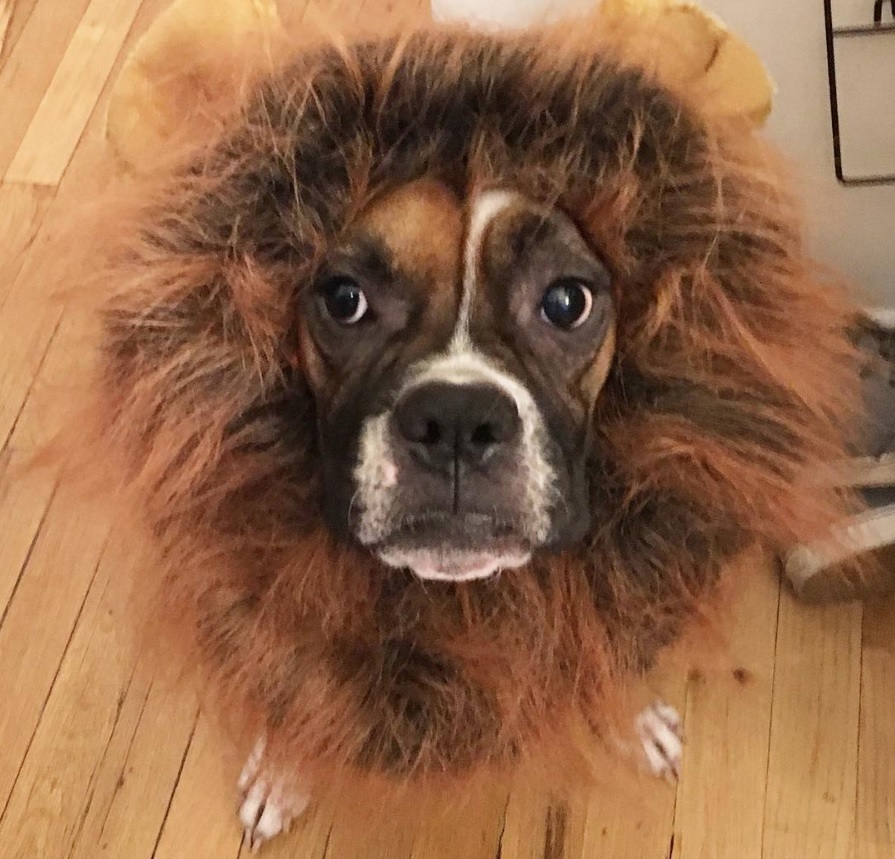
(446,424)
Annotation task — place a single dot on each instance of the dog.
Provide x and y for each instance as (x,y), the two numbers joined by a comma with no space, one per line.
(447,378)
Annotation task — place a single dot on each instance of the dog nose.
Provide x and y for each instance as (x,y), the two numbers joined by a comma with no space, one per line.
(446,424)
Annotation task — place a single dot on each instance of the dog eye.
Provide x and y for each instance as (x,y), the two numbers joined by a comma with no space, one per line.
(344,300)
(567,303)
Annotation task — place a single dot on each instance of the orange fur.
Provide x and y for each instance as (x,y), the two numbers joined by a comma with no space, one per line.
(730,388)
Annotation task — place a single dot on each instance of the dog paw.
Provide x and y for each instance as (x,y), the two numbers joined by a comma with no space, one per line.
(661,735)
(267,807)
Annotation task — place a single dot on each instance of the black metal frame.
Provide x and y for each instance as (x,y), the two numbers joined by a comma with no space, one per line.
(877,28)
(878,11)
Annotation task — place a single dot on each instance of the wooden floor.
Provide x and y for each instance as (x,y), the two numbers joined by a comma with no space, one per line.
(791,756)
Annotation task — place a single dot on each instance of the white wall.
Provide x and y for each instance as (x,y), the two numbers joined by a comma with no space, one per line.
(854,228)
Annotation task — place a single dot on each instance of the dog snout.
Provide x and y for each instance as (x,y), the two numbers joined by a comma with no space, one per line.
(446,425)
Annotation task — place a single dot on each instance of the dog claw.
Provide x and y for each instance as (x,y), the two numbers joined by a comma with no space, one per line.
(267,808)
(660,733)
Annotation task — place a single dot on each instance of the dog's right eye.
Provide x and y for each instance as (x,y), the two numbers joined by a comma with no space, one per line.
(344,300)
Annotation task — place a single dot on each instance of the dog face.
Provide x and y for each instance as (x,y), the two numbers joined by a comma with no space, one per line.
(456,348)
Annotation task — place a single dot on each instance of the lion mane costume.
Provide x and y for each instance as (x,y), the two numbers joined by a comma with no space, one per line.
(727,393)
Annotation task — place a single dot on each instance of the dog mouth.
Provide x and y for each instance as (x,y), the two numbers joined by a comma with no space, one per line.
(454,548)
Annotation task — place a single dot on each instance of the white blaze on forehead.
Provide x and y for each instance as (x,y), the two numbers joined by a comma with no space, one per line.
(485,208)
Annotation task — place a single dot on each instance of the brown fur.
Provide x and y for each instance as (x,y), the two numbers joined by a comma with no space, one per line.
(728,391)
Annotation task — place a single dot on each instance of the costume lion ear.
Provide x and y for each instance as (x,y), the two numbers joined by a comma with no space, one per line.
(699,50)
(186,69)
(173,82)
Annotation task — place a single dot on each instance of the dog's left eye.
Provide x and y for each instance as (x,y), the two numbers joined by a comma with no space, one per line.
(567,303)
(344,300)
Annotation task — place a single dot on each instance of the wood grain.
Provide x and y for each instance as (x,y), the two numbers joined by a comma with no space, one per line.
(812,769)
(31,294)
(29,67)
(528,822)
(39,622)
(55,782)
(22,208)
(875,837)
(5,20)
(624,823)
(17,13)
(474,832)
(22,510)
(720,802)
(135,775)
(201,822)
(68,102)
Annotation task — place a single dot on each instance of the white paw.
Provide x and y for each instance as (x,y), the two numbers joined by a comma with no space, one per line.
(659,730)
(267,807)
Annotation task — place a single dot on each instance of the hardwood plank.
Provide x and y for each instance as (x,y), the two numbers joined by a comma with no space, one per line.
(42,614)
(875,836)
(385,838)
(538,826)
(56,778)
(29,297)
(29,68)
(65,362)
(720,799)
(632,823)
(473,833)
(201,822)
(5,20)
(22,209)
(24,499)
(18,12)
(25,491)
(525,830)
(137,775)
(25,346)
(102,794)
(68,102)
(812,769)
